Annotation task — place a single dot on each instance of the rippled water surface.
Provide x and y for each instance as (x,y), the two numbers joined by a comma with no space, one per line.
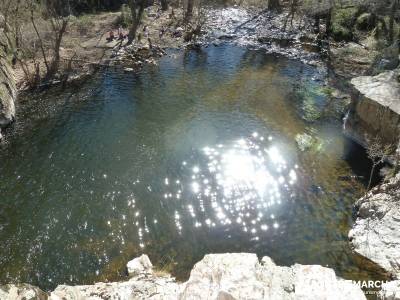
(195,155)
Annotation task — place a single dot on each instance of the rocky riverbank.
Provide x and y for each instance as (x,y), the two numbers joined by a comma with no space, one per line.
(375,114)
(376,232)
(263,29)
(8,90)
(216,276)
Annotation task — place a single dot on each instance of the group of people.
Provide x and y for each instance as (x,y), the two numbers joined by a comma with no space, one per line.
(121,35)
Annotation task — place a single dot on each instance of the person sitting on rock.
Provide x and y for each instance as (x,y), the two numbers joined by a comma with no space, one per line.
(111,36)
(121,35)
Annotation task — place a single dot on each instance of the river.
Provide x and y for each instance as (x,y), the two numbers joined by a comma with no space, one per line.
(195,155)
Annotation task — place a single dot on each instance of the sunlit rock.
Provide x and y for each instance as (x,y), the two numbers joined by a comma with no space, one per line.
(376,232)
(151,287)
(242,276)
(375,109)
(228,276)
(139,265)
(21,292)
(8,90)
(390,291)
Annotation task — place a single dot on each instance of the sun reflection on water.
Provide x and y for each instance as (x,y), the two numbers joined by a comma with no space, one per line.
(234,188)
(233,185)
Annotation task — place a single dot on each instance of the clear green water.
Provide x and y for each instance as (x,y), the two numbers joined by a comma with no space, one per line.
(195,155)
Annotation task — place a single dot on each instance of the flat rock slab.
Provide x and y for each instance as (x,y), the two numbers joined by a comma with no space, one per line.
(375,109)
(383,88)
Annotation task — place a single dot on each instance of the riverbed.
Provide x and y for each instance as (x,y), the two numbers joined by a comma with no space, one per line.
(195,155)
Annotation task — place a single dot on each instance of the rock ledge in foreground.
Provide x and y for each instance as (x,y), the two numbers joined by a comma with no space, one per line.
(217,276)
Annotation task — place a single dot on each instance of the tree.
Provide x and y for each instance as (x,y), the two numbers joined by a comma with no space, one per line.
(189,10)
(164,5)
(292,12)
(57,13)
(393,8)
(274,5)
(137,8)
(378,153)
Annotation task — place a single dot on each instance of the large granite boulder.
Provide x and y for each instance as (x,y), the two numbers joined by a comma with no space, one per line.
(375,109)
(242,276)
(376,231)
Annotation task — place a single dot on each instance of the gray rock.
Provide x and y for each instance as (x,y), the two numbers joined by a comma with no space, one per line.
(8,90)
(21,292)
(242,276)
(227,276)
(139,265)
(376,232)
(390,291)
(151,287)
(352,60)
(375,109)
(304,141)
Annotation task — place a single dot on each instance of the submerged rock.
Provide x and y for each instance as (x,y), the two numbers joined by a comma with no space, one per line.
(307,142)
(376,232)
(304,141)
(217,276)
(375,109)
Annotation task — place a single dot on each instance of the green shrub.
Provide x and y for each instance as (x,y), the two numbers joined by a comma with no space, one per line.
(343,20)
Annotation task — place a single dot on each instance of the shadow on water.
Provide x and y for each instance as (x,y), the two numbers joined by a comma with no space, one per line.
(357,157)
(196,155)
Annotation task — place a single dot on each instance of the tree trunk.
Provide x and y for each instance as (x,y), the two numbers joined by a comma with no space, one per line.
(189,10)
(56,59)
(393,8)
(371,175)
(164,5)
(274,5)
(40,42)
(137,8)
(329,22)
